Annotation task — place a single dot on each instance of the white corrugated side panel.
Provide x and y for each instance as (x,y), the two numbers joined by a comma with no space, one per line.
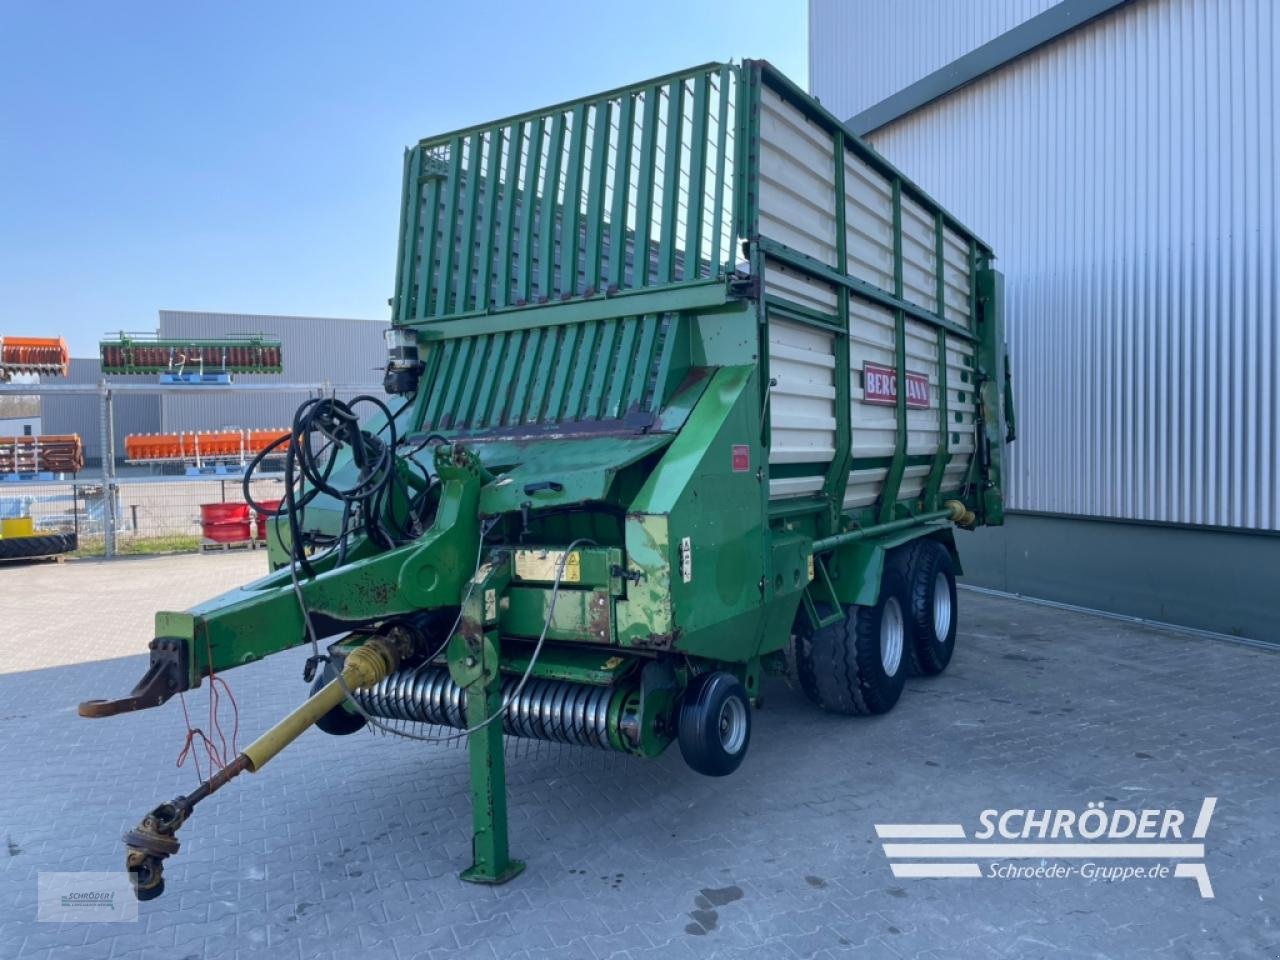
(315,349)
(1125,176)
(861,51)
(802,365)
(797,200)
(797,180)
(874,427)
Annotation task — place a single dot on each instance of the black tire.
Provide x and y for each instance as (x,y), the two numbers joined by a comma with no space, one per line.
(843,663)
(799,659)
(715,724)
(338,722)
(930,575)
(34,548)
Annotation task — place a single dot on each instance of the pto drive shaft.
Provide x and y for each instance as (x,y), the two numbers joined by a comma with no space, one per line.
(151,841)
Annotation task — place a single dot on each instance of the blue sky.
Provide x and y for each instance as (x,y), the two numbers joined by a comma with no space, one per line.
(247,157)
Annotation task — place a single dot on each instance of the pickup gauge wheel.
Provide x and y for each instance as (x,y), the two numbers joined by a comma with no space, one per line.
(339,721)
(715,724)
(930,574)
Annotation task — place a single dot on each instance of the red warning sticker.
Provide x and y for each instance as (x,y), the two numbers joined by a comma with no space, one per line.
(741,458)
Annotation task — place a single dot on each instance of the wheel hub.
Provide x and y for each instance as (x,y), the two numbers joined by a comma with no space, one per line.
(733,725)
(891,636)
(941,608)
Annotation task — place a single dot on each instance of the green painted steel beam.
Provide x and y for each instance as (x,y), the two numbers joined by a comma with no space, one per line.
(671,154)
(596,182)
(621,192)
(475,665)
(453,189)
(697,178)
(726,76)
(837,479)
(529,211)
(933,482)
(612,94)
(411,191)
(646,174)
(571,212)
(893,480)
(493,188)
(704,295)
(550,201)
(432,187)
(543,365)
(879,530)
(565,360)
(462,298)
(510,194)
(822,271)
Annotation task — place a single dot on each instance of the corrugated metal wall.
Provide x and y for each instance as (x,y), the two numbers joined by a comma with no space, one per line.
(1125,176)
(81,413)
(861,51)
(315,349)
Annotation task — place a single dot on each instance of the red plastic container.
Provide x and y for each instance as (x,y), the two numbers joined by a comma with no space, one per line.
(225,522)
(262,517)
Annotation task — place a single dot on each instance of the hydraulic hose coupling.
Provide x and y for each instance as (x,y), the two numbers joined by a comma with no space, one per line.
(960,514)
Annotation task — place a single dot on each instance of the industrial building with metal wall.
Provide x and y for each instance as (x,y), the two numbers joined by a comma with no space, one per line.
(316,351)
(1121,160)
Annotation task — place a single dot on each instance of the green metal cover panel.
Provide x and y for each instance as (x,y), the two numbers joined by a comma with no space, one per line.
(523,380)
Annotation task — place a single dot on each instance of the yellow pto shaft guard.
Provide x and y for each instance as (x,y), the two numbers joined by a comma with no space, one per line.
(151,841)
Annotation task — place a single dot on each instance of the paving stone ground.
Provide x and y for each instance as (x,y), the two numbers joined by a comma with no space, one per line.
(349,848)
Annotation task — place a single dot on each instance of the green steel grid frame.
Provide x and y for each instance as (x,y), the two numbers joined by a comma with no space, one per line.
(608,191)
(588,198)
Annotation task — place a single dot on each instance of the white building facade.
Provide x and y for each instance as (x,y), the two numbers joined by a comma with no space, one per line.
(1121,159)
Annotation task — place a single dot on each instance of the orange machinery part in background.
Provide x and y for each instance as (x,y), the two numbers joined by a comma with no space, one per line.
(199,444)
(52,453)
(47,355)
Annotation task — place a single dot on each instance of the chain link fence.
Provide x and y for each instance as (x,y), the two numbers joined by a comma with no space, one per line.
(119,506)
(152,515)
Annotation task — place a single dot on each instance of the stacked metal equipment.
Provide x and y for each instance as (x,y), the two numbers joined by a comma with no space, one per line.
(199,445)
(48,453)
(687,386)
(142,353)
(33,355)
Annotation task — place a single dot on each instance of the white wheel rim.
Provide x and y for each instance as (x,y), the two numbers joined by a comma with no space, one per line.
(733,725)
(891,634)
(941,608)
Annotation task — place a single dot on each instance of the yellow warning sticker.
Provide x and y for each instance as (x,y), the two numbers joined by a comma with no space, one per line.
(542,565)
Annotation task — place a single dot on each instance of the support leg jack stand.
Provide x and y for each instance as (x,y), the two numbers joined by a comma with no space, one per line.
(476,670)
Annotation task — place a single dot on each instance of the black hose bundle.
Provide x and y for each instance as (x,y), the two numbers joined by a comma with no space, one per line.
(321,427)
